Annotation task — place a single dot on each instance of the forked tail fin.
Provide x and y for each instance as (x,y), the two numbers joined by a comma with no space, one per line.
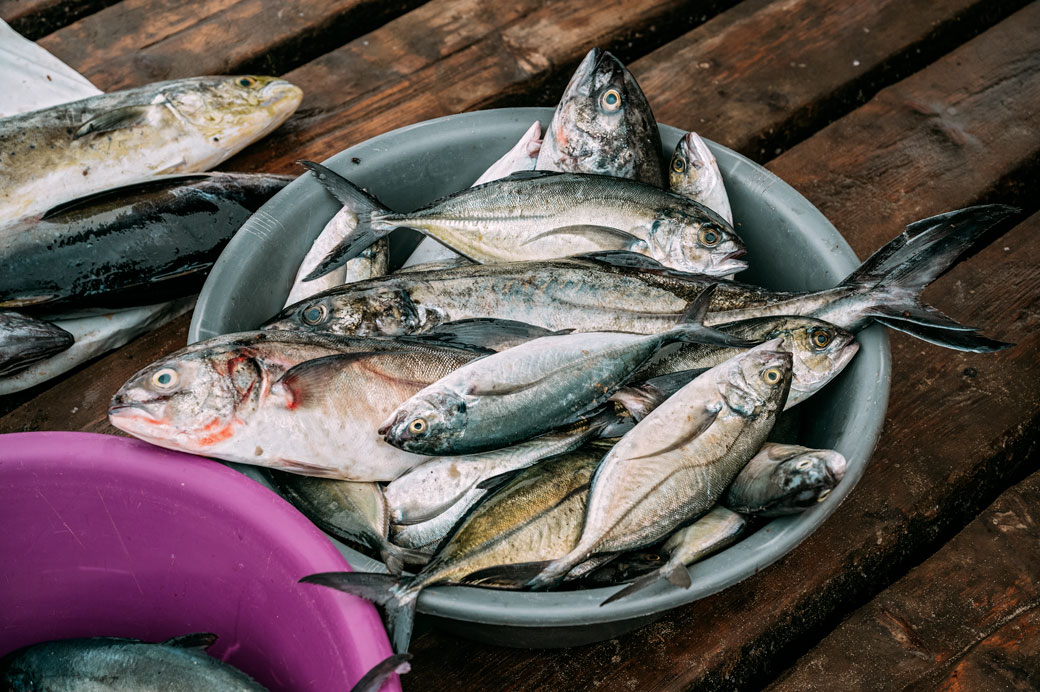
(393,594)
(897,273)
(381,672)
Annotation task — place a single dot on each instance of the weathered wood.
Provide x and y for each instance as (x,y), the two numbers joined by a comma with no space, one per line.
(763,75)
(958,424)
(141,41)
(36,18)
(968,618)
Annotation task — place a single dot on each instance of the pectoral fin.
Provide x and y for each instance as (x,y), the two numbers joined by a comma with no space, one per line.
(117,119)
(612,237)
(698,422)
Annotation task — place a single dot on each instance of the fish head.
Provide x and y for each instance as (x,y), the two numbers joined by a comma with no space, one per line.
(693,170)
(380,311)
(428,423)
(701,242)
(603,124)
(821,350)
(804,478)
(233,111)
(25,340)
(757,381)
(192,399)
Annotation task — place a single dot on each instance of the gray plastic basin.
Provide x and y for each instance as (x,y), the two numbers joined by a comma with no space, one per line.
(790,246)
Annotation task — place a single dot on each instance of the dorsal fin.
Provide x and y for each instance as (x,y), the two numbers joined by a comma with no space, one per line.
(195,640)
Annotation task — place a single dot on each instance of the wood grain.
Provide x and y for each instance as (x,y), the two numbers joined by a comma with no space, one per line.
(141,41)
(763,75)
(36,18)
(968,618)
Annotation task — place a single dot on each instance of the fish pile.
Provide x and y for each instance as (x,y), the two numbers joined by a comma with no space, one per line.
(105,209)
(582,398)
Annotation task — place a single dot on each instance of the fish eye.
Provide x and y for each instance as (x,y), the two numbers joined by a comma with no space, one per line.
(246,81)
(772,375)
(611,99)
(166,378)
(678,164)
(315,314)
(654,557)
(823,495)
(803,464)
(709,236)
(418,426)
(821,338)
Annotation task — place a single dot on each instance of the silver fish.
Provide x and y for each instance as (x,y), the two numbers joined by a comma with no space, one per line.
(25,340)
(785,479)
(524,391)
(75,149)
(695,173)
(541,214)
(604,124)
(630,292)
(676,462)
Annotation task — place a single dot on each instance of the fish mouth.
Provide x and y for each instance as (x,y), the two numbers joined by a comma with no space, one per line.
(731,263)
(281,93)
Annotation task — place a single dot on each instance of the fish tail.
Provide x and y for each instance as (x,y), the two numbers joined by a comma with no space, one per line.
(555,572)
(381,672)
(396,596)
(397,557)
(674,571)
(691,328)
(894,276)
(362,204)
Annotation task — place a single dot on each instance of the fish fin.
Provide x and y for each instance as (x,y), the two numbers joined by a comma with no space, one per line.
(642,398)
(555,572)
(506,576)
(623,258)
(616,236)
(957,340)
(27,301)
(362,204)
(310,376)
(699,424)
(530,175)
(691,329)
(116,119)
(393,594)
(895,275)
(487,332)
(195,640)
(495,482)
(675,572)
(381,672)
(120,192)
(395,557)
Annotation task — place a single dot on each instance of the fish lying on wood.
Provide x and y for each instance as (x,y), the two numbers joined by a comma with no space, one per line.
(134,245)
(183,126)
(631,292)
(25,340)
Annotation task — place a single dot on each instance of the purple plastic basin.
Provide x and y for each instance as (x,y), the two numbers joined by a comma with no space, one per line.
(105,536)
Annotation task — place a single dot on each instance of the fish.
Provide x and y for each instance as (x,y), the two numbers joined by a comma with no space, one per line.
(675,463)
(521,157)
(623,291)
(267,399)
(542,214)
(75,149)
(25,340)
(129,246)
(351,511)
(604,124)
(374,679)
(785,479)
(714,531)
(535,516)
(695,173)
(179,664)
(527,390)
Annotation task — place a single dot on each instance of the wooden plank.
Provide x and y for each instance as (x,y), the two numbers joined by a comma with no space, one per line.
(968,618)
(36,18)
(958,424)
(141,41)
(765,74)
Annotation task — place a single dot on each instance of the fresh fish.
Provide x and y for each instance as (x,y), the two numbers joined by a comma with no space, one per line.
(184,126)
(603,124)
(350,511)
(630,292)
(695,173)
(677,461)
(622,569)
(520,158)
(25,340)
(714,531)
(134,245)
(785,479)
(820,351)
(381,672)
(534,517)
(268,400)
(540,215)
(524,391)
(112,664)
